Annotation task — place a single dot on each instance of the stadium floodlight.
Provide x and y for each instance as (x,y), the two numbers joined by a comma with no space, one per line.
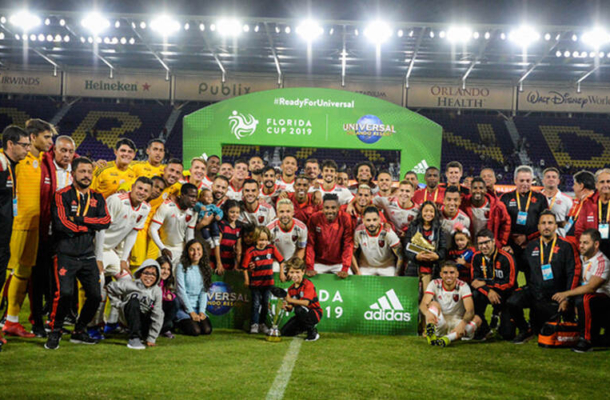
(524,36)
(246,28)
(566,54)
(47,22)
(132,41)
(62,22)
(400,33)
(201,27)
(558,53)
(117,24)
(1,35)
(25,20)
(331,31)
(95,23)
(378,32)
(309,30)
(256,28)
(165,25)
(487,35)
(595,38)
(41,37)
(229,27)
(33,37)
(123,40)
(187,26)
(67,38)
(287,30)
(460,34)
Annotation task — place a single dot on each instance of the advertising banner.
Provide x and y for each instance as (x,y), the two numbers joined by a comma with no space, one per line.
(30,82)
(130,86)
(385,89)
(564,99)
(211,87)
(308,117)
(474,96)
(369,305)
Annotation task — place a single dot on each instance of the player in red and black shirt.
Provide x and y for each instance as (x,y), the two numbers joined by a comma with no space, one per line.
(258,274)
(303,299)
(228,254)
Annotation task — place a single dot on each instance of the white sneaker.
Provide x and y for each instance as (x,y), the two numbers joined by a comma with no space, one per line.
(254,328)
(263,329)
(136,344)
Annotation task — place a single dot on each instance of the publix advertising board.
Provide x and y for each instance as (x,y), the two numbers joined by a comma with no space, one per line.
(314,117)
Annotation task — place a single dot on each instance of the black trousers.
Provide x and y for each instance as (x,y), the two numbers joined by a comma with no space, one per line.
(42,281)
(192,328)
(65,269)
(138,323)
(170,309)
(5,253)
(481,302)
(593,314)
(541,310)
(304,320)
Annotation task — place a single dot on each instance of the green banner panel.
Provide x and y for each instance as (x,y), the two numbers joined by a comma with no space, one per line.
(359,304)
(311,117)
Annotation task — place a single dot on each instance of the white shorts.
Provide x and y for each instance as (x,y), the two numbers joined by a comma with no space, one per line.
(385,271)
(112,264)
(327,269)
(448,323)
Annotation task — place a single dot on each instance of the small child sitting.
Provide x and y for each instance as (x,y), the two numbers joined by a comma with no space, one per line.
(303,299)
(140,304)
(206,207)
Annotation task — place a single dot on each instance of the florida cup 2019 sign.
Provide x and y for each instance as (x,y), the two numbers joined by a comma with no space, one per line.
(312,117)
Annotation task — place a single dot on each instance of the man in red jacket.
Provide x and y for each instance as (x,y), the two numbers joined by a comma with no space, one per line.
(595,212)
(330,241)
(487,212)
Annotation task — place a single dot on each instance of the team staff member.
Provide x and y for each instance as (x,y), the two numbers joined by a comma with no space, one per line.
(330,240)
(524,207)
(15,145)
(584,187)
(151,167)
(108,179)
(78,213)
(595,213)
(559,203)
(432,192)
(591,296)
(26,236)
(494,277)
(554,267)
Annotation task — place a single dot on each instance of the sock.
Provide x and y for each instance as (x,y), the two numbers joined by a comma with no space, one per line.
(452,336)
(210,242)
(470,328)
(12,318)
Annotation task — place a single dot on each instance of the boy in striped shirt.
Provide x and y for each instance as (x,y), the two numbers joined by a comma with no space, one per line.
(258,274)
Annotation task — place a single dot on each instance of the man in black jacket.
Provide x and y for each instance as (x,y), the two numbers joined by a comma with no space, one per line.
(554,267)
(494,277)
(78,213)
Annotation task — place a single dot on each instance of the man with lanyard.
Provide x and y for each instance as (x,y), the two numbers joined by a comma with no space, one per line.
(78,213)
(595,212)
(524,207)
(290,167)
(15,146)
(255,212)
(452,218)
(486,211)
(289,235)
(176,219)
(584,187)
(400,210)
(432,191)
(453,173)
(494,277)
(559,203)
(554,266)
(329,185)
(269,189)
(384,182)
(305,204)
(236,184)
(592,296)
(364,172)
(377,250)
(155,150)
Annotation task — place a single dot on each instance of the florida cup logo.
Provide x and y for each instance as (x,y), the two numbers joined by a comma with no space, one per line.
(242,125)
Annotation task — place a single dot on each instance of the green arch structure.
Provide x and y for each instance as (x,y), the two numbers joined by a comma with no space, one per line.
(313,117)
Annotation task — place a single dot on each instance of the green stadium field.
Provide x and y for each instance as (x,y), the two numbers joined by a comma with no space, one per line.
(232,364)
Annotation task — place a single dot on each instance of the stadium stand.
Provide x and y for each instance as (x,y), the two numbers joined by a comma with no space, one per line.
(18,111)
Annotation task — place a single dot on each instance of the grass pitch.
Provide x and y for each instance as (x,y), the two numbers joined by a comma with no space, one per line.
(233,364)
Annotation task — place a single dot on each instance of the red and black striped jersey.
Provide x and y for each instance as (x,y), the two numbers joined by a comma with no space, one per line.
(261,272)
(307,291)
(230,236)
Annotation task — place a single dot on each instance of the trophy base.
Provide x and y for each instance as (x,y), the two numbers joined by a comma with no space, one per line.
(273,338)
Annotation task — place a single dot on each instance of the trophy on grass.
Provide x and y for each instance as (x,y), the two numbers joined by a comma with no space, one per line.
(276,314)
(419,244)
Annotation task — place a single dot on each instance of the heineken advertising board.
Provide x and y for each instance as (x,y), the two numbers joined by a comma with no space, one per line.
(370,305)
(312,117)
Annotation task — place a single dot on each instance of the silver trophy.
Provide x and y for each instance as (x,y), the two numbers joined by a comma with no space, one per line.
(276,314)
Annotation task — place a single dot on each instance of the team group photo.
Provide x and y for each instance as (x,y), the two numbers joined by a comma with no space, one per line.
(305,200)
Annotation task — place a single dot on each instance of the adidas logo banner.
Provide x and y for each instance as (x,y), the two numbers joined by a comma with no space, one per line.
(387,308)
(421,167)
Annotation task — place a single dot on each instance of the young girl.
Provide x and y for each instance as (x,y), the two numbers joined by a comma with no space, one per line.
(258,274)
(461,251)
(228,254)
(193,279)
(170,302)
(426,263)
(206,207)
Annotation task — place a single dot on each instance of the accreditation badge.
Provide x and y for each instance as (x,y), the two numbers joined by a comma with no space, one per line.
(521,218)
(604,230)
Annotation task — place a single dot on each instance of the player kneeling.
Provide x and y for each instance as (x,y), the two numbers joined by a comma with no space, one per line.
(303,299)
(448,308)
